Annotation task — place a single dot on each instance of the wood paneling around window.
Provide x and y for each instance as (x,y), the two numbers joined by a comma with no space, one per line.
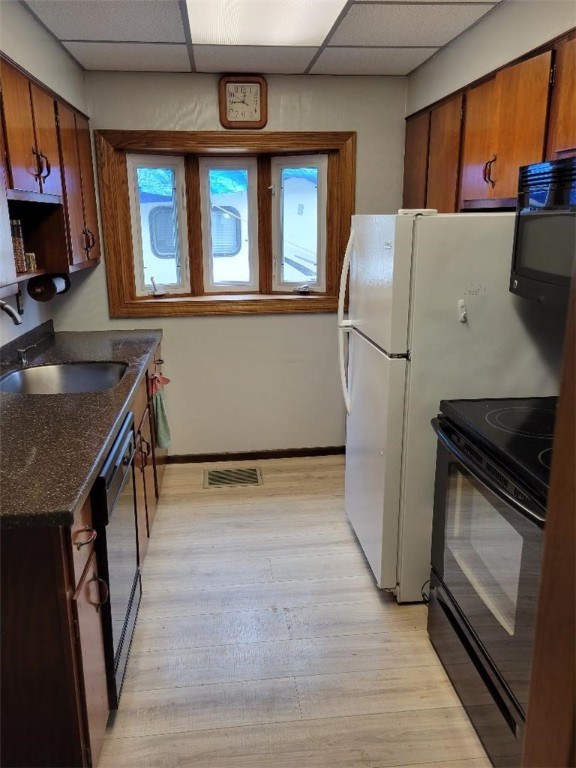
(112,148)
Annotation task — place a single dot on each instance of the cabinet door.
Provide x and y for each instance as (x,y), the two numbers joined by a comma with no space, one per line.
(416,161)
(72,177)
(88,189)
(148,461)
(160,454)
(140,485)
(20,139)
(479,142)
(523,105)
(444,156)
(43,108)
(86,603)
(562,123)
(7,264)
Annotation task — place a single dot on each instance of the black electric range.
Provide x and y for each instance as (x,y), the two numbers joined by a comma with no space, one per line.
(516,432)
(492,479)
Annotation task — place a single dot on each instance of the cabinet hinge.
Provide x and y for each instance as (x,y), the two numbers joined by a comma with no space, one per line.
(88,755)
(76,629)
(552,75)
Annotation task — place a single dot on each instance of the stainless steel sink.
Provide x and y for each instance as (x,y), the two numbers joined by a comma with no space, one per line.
(63,378)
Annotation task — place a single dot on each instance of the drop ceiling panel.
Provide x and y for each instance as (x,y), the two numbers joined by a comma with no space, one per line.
(431,2)
(129,20)
(370,61)
(388,24)
(244,58)
(131,57)
(300,23)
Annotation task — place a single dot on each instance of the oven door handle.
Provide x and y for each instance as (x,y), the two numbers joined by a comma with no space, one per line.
(485,479)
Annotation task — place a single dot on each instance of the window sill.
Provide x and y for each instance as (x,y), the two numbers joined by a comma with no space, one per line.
(223,304)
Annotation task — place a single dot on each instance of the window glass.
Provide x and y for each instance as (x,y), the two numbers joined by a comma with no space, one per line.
(229,230)
(158,224)
(299,222)
(299,228)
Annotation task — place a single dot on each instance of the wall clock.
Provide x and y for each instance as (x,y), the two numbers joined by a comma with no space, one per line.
(243,101)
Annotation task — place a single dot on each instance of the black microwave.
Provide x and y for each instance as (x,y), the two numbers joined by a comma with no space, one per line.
(545,232)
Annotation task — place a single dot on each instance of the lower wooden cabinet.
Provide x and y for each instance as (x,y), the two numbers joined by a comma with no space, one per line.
(89,596)
(145,483)
(53,696)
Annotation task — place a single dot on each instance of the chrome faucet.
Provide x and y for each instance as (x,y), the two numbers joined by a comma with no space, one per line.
(22,353)
(5,307)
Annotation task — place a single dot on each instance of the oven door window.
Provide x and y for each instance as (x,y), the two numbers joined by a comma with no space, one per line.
(487,550)
(492,557)
(122,552)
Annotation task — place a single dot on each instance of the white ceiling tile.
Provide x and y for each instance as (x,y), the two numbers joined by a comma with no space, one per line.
(245,58)
(262,22)
(433,2)
(405,24)
(131,20)
(131,57)
(370,61)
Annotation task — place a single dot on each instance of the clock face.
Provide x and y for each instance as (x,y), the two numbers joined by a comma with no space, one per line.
(243,102)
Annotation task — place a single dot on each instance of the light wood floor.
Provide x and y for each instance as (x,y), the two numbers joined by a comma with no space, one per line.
(263,642)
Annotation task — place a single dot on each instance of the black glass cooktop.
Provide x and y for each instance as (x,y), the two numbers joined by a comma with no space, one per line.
(517,432)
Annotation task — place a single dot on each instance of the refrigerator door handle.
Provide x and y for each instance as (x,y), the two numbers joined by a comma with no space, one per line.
(344,325)
(343,280)
(342,332)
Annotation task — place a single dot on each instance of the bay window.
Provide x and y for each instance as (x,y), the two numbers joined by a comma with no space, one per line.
(217,223)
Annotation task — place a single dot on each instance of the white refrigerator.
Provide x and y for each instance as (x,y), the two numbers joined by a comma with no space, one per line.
(430,317)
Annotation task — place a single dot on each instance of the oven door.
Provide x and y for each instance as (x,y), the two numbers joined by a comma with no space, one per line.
(486,550)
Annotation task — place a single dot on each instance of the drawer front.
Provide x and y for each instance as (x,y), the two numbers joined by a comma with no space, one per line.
(82,537)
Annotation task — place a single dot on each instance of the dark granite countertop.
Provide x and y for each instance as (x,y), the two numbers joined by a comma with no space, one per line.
(52,446)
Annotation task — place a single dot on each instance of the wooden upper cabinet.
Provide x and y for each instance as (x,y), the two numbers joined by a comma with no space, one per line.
(481,107)
(505,128)
(20,138)
(88,188)
(521,121)
(416,161)
(444,156)
(72,185)
(31,134)
(7,264)
(43,109)
(79,197)
(562,123)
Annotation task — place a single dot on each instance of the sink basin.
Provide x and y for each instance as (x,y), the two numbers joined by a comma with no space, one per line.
(63,378)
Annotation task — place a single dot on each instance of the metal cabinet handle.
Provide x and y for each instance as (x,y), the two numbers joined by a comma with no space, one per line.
(48,167)
(86,246)
(159,361)
(91,239)
(148,447)
(489,179)
(89,540)
(102,587)
(39,164)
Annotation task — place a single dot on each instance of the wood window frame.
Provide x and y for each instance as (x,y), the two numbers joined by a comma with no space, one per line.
(112,147)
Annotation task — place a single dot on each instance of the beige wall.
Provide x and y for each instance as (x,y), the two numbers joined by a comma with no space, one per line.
(250,383)
(512,29)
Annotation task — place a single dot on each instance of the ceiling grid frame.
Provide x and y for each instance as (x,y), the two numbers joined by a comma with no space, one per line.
(354,45)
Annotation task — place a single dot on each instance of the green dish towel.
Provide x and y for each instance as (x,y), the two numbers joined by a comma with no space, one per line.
(163,436)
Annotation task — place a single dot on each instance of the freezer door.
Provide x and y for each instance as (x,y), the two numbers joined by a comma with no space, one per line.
(374,454)
(380,279)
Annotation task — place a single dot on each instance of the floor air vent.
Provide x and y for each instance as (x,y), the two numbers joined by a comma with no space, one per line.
(243,476)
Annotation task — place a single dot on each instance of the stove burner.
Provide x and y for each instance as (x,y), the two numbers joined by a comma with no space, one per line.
(545,457)
(528,422)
